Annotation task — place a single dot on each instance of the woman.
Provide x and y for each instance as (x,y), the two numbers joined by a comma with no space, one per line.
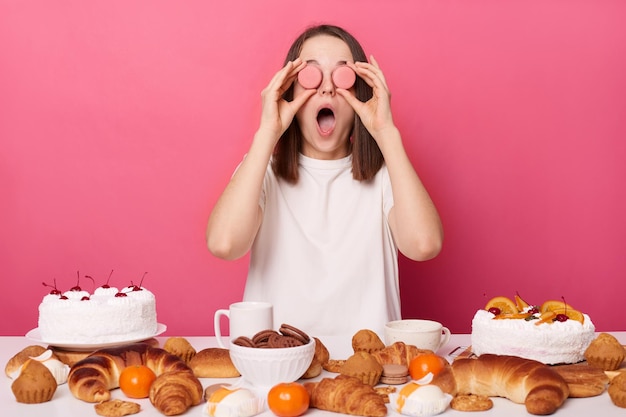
(326,195)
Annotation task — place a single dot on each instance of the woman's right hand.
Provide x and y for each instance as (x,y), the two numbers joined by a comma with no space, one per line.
(278,113)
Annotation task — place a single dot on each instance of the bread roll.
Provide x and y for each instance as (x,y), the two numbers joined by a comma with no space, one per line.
(213,363)
(21,357)
(180,347)
(583,380)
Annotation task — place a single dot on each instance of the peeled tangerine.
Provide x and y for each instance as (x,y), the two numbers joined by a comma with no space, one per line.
(420,400)
(232,402)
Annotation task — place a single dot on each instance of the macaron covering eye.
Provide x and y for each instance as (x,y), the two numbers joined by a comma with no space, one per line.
(311,77)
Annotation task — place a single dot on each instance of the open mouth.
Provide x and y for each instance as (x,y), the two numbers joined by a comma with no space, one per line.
(326,120)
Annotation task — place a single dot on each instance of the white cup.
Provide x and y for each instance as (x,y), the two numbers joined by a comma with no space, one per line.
(245,318)
(423,334)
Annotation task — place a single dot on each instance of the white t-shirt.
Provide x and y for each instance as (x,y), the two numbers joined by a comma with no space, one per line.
(324,255)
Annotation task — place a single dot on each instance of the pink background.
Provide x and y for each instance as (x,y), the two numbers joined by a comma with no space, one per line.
(121,122)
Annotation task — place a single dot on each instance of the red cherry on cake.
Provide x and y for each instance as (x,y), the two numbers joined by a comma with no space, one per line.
(561,317)
(137,287)
(121,294)
(495,311)
(77,286)
(85,298)
(54,290)
(106,284)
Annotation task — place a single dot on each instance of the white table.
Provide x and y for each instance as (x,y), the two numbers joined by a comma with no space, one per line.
(63,404)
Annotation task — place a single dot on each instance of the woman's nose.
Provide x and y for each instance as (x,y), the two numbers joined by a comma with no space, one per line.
(326,86)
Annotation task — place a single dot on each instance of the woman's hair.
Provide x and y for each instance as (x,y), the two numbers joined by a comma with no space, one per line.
(367,158)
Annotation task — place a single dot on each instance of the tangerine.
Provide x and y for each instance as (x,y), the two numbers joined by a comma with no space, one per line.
(422,365)
(288,399)
(135,381)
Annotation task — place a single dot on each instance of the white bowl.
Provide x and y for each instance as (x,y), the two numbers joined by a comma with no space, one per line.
(265,367)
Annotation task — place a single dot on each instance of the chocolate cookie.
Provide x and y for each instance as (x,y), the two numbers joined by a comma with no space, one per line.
(263,336)
(244,341)
(294,332)
(288,341)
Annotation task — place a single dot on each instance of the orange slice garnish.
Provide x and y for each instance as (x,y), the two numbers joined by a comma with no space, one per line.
(506,305)
(571,314)
(553,305)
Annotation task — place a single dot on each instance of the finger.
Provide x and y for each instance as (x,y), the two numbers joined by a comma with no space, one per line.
(296,66)
(372,75)
(374,62)
(354,102)
(299,100)
(283,79)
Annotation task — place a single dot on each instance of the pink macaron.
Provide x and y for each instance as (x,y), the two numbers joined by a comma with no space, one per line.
(310,77)
(344,77)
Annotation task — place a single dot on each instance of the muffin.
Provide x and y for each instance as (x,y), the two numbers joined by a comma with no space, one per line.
(605,352)
(35,384)
(180,347)
(364,367)
(617,390)
(366,341)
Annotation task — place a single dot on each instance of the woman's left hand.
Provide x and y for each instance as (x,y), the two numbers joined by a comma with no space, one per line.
(375,113)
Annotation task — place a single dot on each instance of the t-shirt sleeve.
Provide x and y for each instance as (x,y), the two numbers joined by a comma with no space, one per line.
(387,193)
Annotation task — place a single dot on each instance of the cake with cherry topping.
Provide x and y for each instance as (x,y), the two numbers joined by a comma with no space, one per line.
(552,333)
(108,315)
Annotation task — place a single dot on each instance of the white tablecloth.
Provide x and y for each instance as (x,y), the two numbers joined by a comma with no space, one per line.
(63,404)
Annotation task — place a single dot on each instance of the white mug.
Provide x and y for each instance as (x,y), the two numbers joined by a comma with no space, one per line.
(245,318)
(423,334)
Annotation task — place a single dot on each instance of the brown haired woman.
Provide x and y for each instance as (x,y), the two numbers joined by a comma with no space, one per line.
(326,195)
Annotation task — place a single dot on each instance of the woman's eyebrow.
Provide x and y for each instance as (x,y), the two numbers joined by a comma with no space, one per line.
(314,61)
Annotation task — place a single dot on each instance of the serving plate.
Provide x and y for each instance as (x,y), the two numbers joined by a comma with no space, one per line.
(35,336)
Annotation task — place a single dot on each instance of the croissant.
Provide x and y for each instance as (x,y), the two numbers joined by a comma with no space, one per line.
(523,381)
(92,378)
(173,393)
(398,353)
(347,395)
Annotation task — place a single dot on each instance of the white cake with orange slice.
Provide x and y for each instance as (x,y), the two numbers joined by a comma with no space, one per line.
(552,333)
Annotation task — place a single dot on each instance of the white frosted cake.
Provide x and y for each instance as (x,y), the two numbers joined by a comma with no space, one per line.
(106,316)
(551,342)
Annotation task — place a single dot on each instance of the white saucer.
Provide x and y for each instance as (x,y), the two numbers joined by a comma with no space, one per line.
(35,336)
